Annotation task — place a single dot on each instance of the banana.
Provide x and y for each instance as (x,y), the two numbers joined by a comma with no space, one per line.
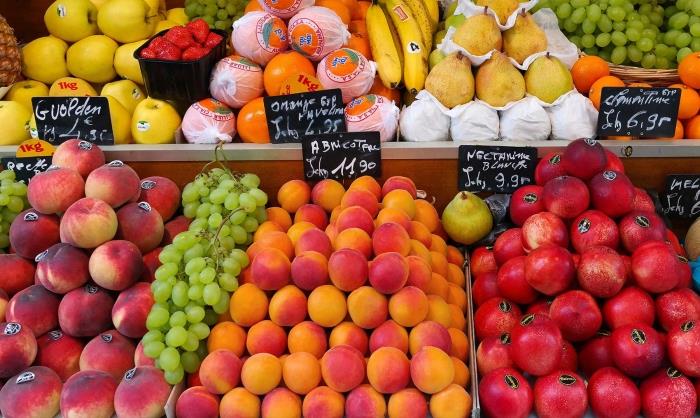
(384,50)
(433,8)
(420,14)
(415,54)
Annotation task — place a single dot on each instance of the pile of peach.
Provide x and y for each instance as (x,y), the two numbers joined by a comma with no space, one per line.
(360,313)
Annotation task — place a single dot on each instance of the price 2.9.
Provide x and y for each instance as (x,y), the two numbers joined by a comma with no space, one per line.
(641,120)
(346,169)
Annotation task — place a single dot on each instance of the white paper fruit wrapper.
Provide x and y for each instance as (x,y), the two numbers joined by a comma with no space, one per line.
(382,115)
(235,81)
(526,120)
(474,121)
(469,8)
(573,117)
(426,119)
(208,122)
(258,36)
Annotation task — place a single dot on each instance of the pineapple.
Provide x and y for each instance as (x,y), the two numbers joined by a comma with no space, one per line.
(10,58)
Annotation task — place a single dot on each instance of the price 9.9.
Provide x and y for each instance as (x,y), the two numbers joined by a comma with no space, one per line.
(641,120)
(513,182)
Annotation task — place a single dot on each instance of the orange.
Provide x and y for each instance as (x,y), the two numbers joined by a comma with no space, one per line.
(353,8)
(692,128)
(639,85)
(380,89)
(360,43)
(690,101)
(361,10)
(252,124)
(358,26)
(587,70)
(339,7)
(253,6)
(689,70)
(597,88)
(679,130)
(281,67)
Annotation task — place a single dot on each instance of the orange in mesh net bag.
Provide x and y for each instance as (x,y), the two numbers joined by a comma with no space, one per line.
(347,70)
(259,36)
(316,31)
(373,113)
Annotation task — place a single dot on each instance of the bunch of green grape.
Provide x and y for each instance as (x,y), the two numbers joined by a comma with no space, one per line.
(199,269)
(640,33)
(13,200)
(219,14)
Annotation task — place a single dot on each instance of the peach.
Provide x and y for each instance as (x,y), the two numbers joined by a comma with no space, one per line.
(355,217)
(332,232)
(143,392)
(279,216)
(347,333)
(131,309)
(461,372)
(327,306)
(438,286)
(265,227)
(297,230)
(314,240)
(419,232)
(33,393)
(140,358)
(367,307)
(455,275)
(457,319)
(429,333)
(323,402)
(32,232)
(407,403)
(343,368)
(301,372)
(334,215)
(293,194)
(88,223)
(17,273)
(348,269)
(248,305)
(116,265)
(327,193)
(162,194)
(362,198)
(239,403)
(220,371)
(399,182)
(354,238)
(273,239)
(109,352)
(409,306)
(81,156)
(307,337)
(389,334)
(270,269)
(420,250)
(391,237)
(62,268)
(438,311)
(281,403)
(427,215)
(457,296)
(309,270)
(388,272)
(18,348)
(266,337)
(140,224)
(460,343)
(455,256)
(55,189)
(451,402)
(261,373)
(86,311)
(35,308)
(227,335)
(419,272)
(88,394)
(59,352)
(114,183)
(365,402)
(288,306)
(432,370)
(312,213)
(393,215)
(173,227)
(368,183)
(197,402)
(388,370)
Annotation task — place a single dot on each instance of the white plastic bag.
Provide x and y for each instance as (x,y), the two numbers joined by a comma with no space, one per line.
(526,120)
(426,119)
(474,121)
(373,113)
(573,117)
(208,121)
(236,80)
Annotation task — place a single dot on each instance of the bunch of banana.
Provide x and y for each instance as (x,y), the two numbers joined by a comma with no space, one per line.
(401,37)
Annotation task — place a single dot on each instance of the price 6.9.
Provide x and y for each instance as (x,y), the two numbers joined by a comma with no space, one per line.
(347,169)
(641,120)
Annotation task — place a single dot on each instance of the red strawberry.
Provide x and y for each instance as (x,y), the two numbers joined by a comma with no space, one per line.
(194,53)
(213,40)
(149,53)
(180,37)
(169,52)
(157,43)
(199,29)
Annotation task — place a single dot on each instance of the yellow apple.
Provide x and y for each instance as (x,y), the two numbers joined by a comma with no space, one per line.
(126,65)
(126,20)
(23,91)
(33,131)
(44,59)
(92,59)
(126,92)
(98,3)
(177,15)
(121,121)
(71,86)
(71,20)
(154,122)
(14,119)
(163,25)
(157,8)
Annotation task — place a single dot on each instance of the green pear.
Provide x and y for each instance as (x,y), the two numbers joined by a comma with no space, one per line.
(479,35)
(524,38)
(454,21)
(467,218)
(450,10)
(435,57)
(498,82)
(503,8)
(547,78)
(451,80)
(439,36)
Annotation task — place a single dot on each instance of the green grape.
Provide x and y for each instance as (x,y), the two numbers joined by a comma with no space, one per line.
(192,343)
(176,337)
(633,34)
(232,201)
(170,254)
(619,26)
(231,266)
(201,330)
(223,304)
(7,175)
(203,210)
(617,3)
(693,20)
(216,209)
(211,294)
(602,40)
(194,252)
(173,377)
(19,189)
(231,9)
(683,40)
(185,240)
(657,19)
(190,361)
(169,359)
(672,52)
(228,282)
(195,314)
(645,44)
(165,271)
(16,204)
(221,3)
(198,225)
(4,199)
(221,24)
(580,3)
(682,53)
(668,11)
(211,318)
(660,50)
(671,36)
(157,318)
(616,14)
(207,275)
(649,60)
(224,231)
(260,214)
(218,196)
(180,297)
(619,39)
(190,193)
(682,4)
(251,180)
(239,234)
(662,63)
(645,20)
(161,291)
(695,45)
(195,292)
(237,218)
(695,30)
(153,349)
(605,24)
(604,54)
(569,26)
(195,265)
(178,319)
(618,55)
(191,10)
(678,20)
(247,202)
(241,257)
(649,33)
(259,196)
(695,7)
(153,335)
(250,224)
(215,220)
(634,54)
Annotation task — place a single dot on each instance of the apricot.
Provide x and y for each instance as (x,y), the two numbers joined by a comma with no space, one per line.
(438,311)
(393,215)
(355,217)
(309,270)
(408,307)
(279,216)
(438,262)
(460,343)
(266,337)
(301,372)
(457,319)
(432,370)
(360,197)
(348,269)
(343,368)
(419,232)
(323,402)
(270,269)
(438,286)
(451,402)
(307,337)
(457,296)
(332,232)
(239,403)
(400,199)
(327,193)
(220,371)
(197,401)
(429,333)
(312,213)
(461,372)
(438,244)
(399,182)
(273,239)
(367,183)
(227,335)
(297,230)
(389,334)
(354,238)
(261,373)
(327,306)
(314,240)
(407,403)
(455,256)
(347,333)
(281,403)
(367,307)
(334,215)
(455,275)
(420,250)
(419,273)
(365,402)
(288,306)
(265,227)
(388,272)
(248,305)
(388,370)
(293,194)
(427,215)
(391,237)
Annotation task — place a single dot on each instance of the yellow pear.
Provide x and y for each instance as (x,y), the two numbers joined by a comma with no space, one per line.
(14,119)
(92,59)
(157,9)
(154,122)
(451,80)
(126,91)
(498,82)
(23,91)
(467,218)
(547,78)
(125,64)
(524,38)
(71,86)
(121,121)
(126,20)
(177,15)
(98,3)
(503,8)
(479,35)
(71,20)
(44,59)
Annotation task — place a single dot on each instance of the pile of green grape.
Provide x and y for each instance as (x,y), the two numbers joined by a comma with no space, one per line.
(642,33)
(219,14)
(200,268)
(13,200)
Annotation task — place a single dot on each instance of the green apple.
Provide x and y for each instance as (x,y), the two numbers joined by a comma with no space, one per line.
(126,20)
(454,21)
(154,122)
(121,121)
(92,59)
(71,20)
(435,57)
(126,65)
(127,92)
(23,91)
(439,36)
(14,119)
(44,59)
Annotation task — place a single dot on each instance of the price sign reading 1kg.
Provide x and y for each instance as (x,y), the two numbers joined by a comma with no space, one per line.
(495,168)
(681,196)
(59,119)
(291,117)
(641,112)
(342,156)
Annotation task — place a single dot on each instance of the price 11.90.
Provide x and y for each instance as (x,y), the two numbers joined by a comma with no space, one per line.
(347,168)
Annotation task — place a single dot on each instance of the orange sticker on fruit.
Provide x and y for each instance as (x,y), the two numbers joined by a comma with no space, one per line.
(271,33)
(285,8)
(306,37)
(34,148)
(300,83)
(213,109)
(363,107)
(259,36)
(344,65)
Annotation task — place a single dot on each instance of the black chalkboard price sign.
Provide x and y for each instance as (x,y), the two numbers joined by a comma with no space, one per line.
(291,117)
(640,112)
(344,155)
(26,167)
(59,119)
(681,196)
(495,168)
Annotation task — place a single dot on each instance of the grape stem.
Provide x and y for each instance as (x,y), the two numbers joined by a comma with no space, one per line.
(215,239)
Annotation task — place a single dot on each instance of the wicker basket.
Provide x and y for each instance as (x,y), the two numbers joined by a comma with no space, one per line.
(657,78)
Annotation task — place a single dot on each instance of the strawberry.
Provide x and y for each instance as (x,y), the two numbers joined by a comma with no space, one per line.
(199,29)
(180,37)
(213,40)
(194,53)
(149,53)
(169,52)
(157,43)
